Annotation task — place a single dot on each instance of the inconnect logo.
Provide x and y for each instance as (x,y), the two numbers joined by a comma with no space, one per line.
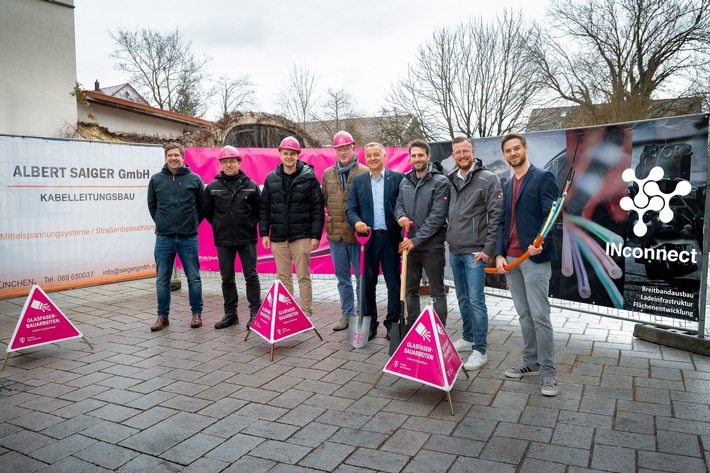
(650,198)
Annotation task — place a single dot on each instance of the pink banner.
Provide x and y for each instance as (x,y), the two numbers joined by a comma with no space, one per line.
(257,163)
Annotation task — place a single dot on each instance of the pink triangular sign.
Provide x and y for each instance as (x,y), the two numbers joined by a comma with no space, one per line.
(426,354)
(279,316)
(41,322)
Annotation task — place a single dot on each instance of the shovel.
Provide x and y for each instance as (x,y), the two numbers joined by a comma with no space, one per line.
(397,332)
(359,329)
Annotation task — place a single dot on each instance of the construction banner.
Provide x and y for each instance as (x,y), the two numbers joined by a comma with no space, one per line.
(74,213)
(631,235)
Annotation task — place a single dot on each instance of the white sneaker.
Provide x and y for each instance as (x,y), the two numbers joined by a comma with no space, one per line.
(549,386)
(462,345)
(476,361)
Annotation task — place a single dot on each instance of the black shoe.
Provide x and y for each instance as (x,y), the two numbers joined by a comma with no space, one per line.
(373,333)
(251,319)
(388,336)
(228,320)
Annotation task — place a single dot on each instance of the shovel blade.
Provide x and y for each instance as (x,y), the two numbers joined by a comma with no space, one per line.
(396,337)
(359,330)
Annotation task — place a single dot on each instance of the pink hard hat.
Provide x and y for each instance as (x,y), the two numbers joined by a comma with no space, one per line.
(342,138)
(229,152)
(290,143)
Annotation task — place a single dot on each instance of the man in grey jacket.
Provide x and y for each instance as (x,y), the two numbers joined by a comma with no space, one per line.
(476,198)
(423,201)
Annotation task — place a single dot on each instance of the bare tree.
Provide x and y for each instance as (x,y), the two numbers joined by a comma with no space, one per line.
(476,79)
(338,106)
(233,94)
(338,110)
(163,68)
(298,96)
(395,129)
(612,58)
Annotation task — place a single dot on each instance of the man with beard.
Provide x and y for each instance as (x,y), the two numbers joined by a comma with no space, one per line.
(424,200)
(474,212)
(527,200)
(231,205)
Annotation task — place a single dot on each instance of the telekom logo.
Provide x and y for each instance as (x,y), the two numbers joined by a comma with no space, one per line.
(650,198)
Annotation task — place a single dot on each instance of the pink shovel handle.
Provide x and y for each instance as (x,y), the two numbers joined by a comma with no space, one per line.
(363,241)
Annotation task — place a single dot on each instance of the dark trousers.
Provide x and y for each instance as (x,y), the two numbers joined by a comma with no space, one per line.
(381,252)
(433,262)
(247,255)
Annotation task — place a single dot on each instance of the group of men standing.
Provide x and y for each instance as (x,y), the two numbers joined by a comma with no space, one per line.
(482,222)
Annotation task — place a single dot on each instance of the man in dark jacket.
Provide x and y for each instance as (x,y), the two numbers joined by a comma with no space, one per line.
(371,205)
(474,212)
(424,200)
(292,218)
(527,200)
(231,204)
(175,204)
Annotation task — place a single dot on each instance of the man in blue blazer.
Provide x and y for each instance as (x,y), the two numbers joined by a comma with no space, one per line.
(371,204)
(527,199)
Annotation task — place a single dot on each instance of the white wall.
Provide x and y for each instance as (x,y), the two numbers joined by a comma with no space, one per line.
(120,121)
(37,67)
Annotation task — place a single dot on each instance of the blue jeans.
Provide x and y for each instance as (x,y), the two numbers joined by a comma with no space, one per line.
(470,281)
(344,256)
(166,247)
(529,285)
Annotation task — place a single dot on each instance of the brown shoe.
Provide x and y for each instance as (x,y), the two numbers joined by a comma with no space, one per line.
(160,324)
(342,325)
(196,321)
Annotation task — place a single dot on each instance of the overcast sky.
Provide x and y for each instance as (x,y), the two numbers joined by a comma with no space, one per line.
(360,47)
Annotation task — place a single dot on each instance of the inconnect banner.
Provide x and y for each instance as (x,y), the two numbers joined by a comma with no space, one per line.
(74,213)
(632,232)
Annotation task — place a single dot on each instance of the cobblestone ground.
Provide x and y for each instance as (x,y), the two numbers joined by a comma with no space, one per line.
(207,401)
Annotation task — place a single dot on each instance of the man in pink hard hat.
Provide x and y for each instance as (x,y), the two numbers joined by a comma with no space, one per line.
(291,219)
(231,205)
(344,249)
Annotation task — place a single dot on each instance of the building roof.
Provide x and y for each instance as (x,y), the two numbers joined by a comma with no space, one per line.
(122,91)
(106,100)
(556,118)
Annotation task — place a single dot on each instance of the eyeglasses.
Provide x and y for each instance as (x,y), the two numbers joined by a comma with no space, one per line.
(464,152)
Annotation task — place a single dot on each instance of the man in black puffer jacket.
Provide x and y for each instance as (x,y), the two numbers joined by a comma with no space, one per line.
(231,205)
(292,218)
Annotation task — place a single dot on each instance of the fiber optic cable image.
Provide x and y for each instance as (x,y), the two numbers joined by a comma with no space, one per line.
(592,218)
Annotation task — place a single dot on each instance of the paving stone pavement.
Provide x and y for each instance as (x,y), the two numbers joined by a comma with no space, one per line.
(204,400)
